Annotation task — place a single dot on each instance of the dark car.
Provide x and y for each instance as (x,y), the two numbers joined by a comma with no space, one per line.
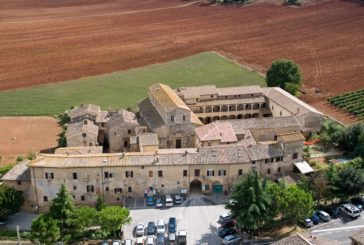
(161,240)
(159,202)
(177,199)
(333,210)
(358,202)
(3,221)
(172,225)
(315,219)
(226,232)
(151,228)
(150,201)
(228,223)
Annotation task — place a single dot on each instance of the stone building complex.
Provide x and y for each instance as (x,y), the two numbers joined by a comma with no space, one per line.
(194,138)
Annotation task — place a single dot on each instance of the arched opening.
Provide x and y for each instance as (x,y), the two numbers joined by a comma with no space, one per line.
(248,116)
(208,120)
(224,108)
(240,107)
(208,109)
(216,108)
(201,110)
(217,188)
(202,120)
(255,115)
(248,107)
(256,106)
(224,118)
(232,117)
(215,118)
(195,186)
(240,116)
(232,108)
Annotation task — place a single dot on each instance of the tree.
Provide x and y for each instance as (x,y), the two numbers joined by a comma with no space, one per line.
(113,217)
(331,133)
(10,201)
(100,203)
(285,74)
(44,230)
(300,204)
(250,203)
(61,210)
(81,219)
(278,193)
(319,185)
(352,140)
(349,182)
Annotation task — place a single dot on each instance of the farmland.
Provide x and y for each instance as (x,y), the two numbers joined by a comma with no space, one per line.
(54,41)
(352,102)
(124,89)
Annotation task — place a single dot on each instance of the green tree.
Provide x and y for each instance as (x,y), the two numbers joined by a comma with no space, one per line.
(300,204)
(250,203)
(113,217)
(352,140)
(44,230)
(10,201)
(319,185)
(331,133)
(100,203)
(81,219)
(61,210)
(278,193)
(285,74)
(349,182)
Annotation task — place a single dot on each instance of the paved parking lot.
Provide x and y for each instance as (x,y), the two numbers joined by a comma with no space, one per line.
(198,216)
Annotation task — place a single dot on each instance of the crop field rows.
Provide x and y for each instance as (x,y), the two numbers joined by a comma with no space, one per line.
(352,102)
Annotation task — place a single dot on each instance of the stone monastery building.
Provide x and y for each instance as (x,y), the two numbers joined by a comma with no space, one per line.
(192,138)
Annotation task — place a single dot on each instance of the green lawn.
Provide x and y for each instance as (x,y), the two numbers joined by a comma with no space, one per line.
(125,88)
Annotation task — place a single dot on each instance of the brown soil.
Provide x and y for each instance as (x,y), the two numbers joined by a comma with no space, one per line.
(45,41)
(22,135)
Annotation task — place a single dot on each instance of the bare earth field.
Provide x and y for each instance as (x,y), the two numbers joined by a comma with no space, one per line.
(21,135)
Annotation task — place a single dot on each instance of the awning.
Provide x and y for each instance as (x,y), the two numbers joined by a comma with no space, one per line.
(303,167)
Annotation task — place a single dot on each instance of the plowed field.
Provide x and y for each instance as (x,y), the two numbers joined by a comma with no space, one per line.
(46,41)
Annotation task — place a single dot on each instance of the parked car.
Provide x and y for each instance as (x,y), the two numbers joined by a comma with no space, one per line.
(159,202)
(223,217)
(116,242)
(3,221)
(169,201)
(161,240)
(171,238)
(151,228)
(172,225)
(307,223)
(315,219)
(228,223)
(139,241)
(182,237)
(323,215)
(128,242)
(139,230)
(226,232)
(161,227)
(104,243)
(150,201)
(177,200)
(358,200)
(232,239)
(350,210)
(150,240)
(333,210)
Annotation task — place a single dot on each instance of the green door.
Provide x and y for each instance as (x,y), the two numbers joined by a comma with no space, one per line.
(217,189)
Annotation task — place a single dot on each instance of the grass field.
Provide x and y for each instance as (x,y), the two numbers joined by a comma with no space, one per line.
(124,89)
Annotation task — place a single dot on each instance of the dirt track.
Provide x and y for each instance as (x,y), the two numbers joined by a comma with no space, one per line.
(44,41)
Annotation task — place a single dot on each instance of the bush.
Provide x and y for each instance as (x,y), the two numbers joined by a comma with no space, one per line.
(5,169)
(19,159)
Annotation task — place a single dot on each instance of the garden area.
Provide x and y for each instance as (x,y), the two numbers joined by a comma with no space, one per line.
(352,102)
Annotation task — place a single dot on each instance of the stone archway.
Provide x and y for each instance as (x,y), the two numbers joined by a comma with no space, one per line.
(196,186)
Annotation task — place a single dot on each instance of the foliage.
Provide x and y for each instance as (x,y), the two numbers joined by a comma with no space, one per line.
(19,159)
(352,140)
(62,140)
(81,219)
(250,203)
(113,217)
(4,169)
(61,209)
(299,203)
(100,203)
(331,133)
(63,119)
(10,201)
(45,230)
(120,89)
(31,156)
(319,185)
(285,74)
(349,182)
(352,102)
(12,235)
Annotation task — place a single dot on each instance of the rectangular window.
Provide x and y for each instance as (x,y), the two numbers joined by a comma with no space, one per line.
(278,159)
(129,174)
(74,187)
(19,182)
(107,188)
(106,175)
(222,172)
(84,135)
(150,173)
(184,173)
(266,160)
(129,131)
(118,190)
(111,175)
(129,189)
(82,198)
(295,155)
(253,162)
(172,118)
(160,173)
(210,172)
(268,171)
(207,187)
(45,198)
(240,172)
(74,175)
(197,172)
(90,188)
(49,175)
(184,118)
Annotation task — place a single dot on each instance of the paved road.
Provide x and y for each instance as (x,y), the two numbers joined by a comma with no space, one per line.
(23,219)
(198,217)
(339,229)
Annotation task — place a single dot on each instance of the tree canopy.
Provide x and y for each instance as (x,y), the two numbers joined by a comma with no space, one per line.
(10,201)
(113,217)
(45,230)
(285,74)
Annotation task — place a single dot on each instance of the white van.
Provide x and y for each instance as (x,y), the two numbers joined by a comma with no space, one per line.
(323,216)
(350,210)
(161,227)
(169,201)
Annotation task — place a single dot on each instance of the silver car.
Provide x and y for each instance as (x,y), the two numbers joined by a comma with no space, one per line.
(139,230)
(231,239)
